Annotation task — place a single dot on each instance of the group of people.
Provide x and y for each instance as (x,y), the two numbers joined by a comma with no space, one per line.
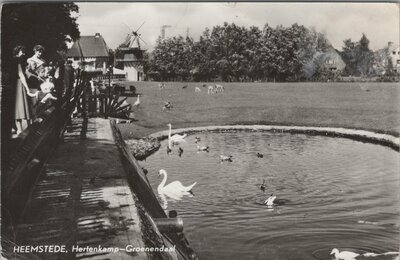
(35,85)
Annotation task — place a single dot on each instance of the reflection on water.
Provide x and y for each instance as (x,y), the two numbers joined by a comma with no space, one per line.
(339,194)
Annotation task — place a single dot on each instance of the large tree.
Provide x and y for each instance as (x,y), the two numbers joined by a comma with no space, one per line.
(357,56)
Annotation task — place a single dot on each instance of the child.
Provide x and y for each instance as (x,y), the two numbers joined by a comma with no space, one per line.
(44,96)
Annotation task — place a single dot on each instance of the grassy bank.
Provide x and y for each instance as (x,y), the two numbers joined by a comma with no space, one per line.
(368,106)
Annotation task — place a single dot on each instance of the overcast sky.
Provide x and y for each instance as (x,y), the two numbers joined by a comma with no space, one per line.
(339,21)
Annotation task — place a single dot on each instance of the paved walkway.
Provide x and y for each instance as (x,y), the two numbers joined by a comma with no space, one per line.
(84,202)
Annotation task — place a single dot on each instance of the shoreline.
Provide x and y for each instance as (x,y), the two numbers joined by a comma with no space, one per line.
(354,134)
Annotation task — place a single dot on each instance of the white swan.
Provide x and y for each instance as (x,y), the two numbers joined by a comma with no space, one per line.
(137,102)
(270,200)
(344,255)
(175,139)
(175,189)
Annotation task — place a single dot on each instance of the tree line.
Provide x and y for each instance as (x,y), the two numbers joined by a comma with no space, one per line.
(236,53)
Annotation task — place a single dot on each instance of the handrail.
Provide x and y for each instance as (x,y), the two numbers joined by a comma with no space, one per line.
(33,149)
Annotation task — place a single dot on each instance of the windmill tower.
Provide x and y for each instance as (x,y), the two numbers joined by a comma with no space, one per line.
(129,55)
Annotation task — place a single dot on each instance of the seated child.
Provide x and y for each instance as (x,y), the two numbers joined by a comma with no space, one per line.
(45,93)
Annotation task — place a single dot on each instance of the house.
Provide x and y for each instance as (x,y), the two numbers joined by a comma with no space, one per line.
(394,55)
(329,59)
(381,59)
(90,51)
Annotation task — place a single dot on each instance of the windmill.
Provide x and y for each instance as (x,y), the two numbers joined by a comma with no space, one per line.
(133,38)
(129,55)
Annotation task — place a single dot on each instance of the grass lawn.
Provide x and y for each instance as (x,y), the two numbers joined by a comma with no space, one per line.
(368,106)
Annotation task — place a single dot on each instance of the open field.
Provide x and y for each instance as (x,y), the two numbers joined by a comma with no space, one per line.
(368,106)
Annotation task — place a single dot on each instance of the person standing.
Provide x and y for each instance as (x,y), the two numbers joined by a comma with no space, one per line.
(35,71)
(22,111)
(69,78)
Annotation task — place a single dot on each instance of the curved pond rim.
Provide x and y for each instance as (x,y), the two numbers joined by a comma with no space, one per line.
(354,134)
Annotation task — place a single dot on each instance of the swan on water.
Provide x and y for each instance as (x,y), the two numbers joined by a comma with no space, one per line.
(344,255)
(203,148)
(226,158)
(176,138)
(270,200)
(260,155)
(174,189)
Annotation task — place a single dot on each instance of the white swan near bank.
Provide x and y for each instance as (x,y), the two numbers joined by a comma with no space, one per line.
(174,189)
(175,139)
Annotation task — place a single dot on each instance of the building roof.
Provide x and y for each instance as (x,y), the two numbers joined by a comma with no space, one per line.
(89,46)
(392,47)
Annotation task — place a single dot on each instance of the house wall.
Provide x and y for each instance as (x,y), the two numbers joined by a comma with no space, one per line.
(91,64)
(133,73)
(395,56)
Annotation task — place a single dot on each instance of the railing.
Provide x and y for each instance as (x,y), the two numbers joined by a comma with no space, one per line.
(22,167)
(112,76)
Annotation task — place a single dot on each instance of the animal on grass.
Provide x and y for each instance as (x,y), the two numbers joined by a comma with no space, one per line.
(169,150)
(174,189)
(203,148)
(184,86)
(161,85)
(180,151)
(259,155)
(197,139)
(227,158)
(176,138)
(211,90)
(219,88)
(167,106)
(197,89)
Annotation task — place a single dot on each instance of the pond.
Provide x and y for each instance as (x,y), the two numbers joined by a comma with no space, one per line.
(339,193)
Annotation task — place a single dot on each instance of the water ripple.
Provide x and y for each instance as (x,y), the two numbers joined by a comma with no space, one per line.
(340,193)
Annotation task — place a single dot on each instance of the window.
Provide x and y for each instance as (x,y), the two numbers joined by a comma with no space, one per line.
(330,62)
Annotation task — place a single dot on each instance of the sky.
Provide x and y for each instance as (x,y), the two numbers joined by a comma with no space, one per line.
(380,22)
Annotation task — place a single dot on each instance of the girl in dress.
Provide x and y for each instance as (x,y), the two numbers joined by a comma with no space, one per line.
(22,112)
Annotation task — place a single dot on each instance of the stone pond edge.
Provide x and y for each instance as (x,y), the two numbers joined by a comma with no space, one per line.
(355,134)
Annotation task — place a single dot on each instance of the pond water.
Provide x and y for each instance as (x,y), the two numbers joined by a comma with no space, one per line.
(340,194)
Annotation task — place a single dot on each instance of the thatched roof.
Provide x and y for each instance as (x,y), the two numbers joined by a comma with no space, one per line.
(89,47)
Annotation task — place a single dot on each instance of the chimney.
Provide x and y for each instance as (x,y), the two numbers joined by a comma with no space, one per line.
(97,35)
